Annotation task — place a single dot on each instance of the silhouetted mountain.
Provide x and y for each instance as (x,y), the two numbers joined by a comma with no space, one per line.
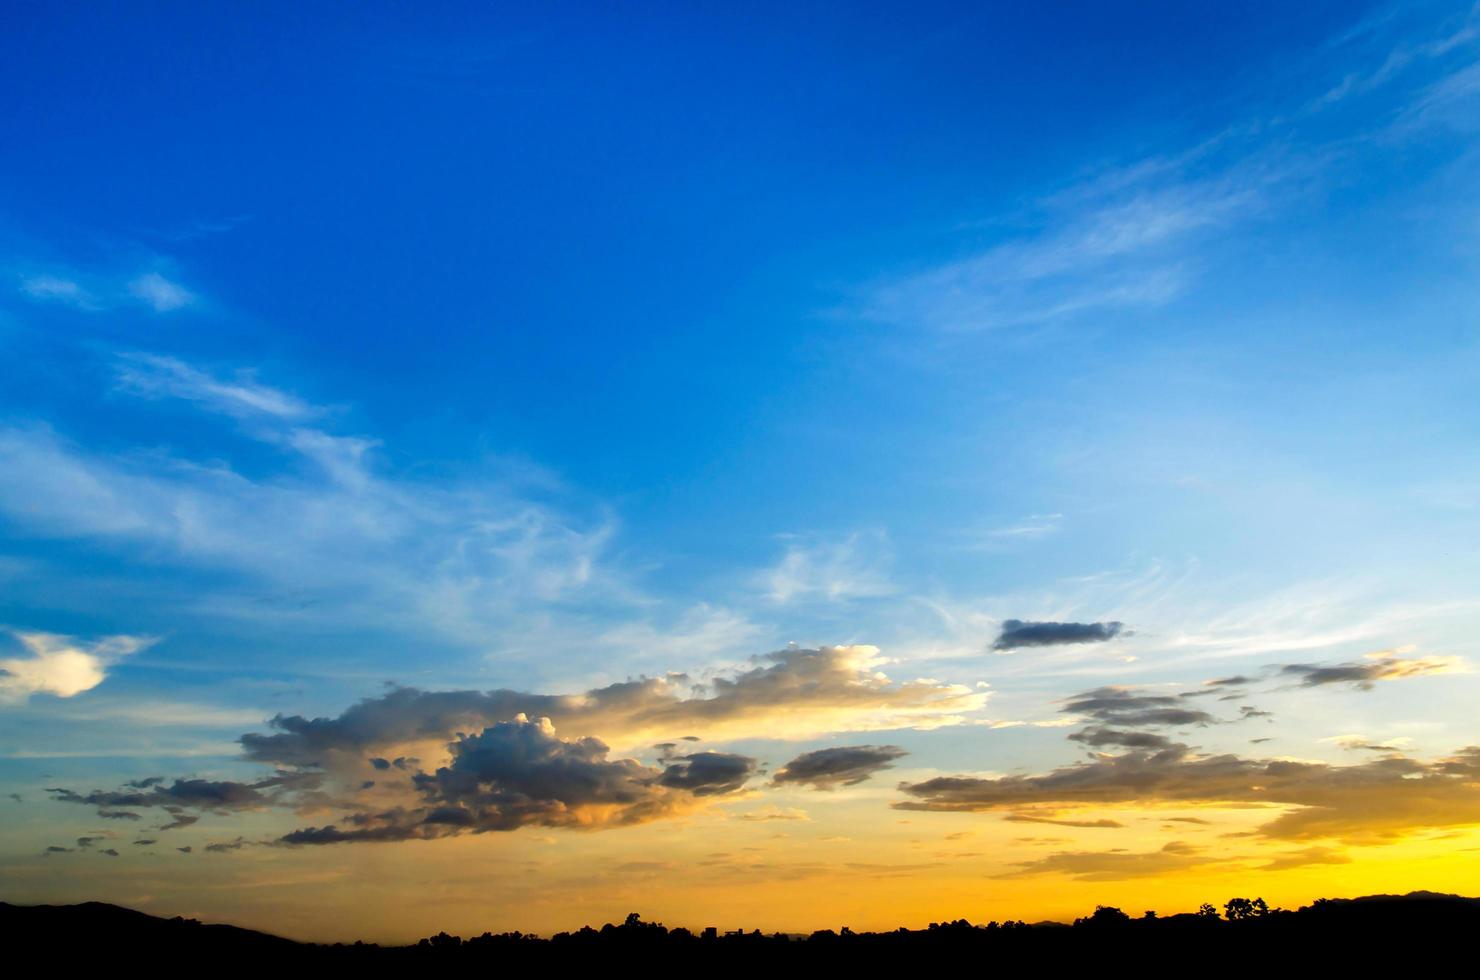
(1327,933)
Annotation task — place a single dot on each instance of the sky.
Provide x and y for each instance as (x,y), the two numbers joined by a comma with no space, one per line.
(487,467)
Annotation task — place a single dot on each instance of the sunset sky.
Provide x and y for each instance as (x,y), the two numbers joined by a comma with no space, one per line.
(492,466)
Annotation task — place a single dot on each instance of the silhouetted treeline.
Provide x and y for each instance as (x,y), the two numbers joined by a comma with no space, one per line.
(1246,931)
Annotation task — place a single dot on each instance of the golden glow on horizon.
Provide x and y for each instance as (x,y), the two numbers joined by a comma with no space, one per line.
(802,863)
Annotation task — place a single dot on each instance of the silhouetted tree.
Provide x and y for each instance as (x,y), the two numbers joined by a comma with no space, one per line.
(1104,915)
(1237,909)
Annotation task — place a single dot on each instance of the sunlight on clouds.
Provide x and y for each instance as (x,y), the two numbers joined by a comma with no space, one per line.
(62,665)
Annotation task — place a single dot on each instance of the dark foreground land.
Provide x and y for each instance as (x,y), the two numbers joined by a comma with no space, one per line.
(1421,929)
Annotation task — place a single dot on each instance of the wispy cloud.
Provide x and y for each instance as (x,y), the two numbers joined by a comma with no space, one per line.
(1099,248)
(99,291)
(154,376)
(852,568)
(329,523)
(47,288)
(160,294)
(1140,235)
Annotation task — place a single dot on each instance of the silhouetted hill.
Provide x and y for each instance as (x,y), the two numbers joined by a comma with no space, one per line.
(101,925)
(1328,933)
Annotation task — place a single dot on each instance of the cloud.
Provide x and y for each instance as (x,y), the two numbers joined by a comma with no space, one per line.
(62,666)
(1098,737)
(320,530)
(708,773)
(770,813)
(792,693)
(1018,633)
(840,766)
(156,377)
(854,568)
(516,772)
(57,289)
(1101,824)
(1129,707)
(1117,242)
(195,794)
(1377,800)
(520,773)
(224,847)
(1305,858)
(179,819)
(160,294)
(1115,865)
(1032,526)
(1377,667)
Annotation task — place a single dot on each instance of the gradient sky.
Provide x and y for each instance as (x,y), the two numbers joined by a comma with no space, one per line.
(780,466)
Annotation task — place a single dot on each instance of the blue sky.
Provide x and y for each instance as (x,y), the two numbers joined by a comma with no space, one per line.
(547,347)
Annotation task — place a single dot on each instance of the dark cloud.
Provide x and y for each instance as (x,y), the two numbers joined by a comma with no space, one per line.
(198,794)
(1130,708)
(1370,747)
(184,850)
(1249,711)
(708,773)
(520,773)
(145,842)
(1099,738)
(178,819)
(54,849)
(1103,824)
(1376,800)
(844,765)
(109,851)
(1363,674)
(222,847)
(1020,633)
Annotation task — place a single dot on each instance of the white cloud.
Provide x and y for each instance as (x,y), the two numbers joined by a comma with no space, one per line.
(853,568)
(159,293)
(61,665)
(1105,245)
(153,376)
